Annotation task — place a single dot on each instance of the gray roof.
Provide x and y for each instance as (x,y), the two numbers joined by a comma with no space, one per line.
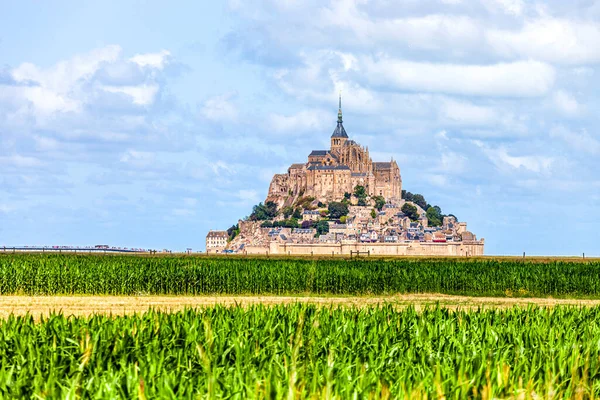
(318,153)
(339,131)
(220,234)
(296,166)
(359,174)
(350,143)
(328,167)
(382,165)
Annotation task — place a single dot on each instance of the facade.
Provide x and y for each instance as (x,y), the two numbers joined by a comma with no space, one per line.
(216,241)
(329,174)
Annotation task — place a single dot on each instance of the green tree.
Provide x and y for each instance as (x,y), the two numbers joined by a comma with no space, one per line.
(410,211)
(261,212)
(322,227)
(379,202)
(434,216)
(419,200)
(337,210)
(373,214)
(360,192)
(343,219)
(347,195)
(287,211)
(233,231)
(408,196)
(297,214)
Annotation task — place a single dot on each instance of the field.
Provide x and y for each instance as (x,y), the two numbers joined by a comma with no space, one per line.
(82,326)
(304,351)
(127,275)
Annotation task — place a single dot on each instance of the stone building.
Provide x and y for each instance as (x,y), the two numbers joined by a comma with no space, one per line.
(216,241)
(329,174)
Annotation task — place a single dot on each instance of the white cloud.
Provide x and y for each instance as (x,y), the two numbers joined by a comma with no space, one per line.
(580,141)
(500,157)
(565,103)
(511,7)
(141,94)
(152,60)
(297,123)
(518,79)
(69,86)
(466,113)
(220,108)
(20,161)
(550,39)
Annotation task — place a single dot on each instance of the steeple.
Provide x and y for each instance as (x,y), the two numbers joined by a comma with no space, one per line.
(339,131)
(340,110)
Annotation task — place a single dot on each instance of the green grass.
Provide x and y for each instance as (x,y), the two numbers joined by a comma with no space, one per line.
(37,274)
(305,352)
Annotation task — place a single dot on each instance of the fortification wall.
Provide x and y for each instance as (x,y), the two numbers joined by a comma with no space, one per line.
(382,249)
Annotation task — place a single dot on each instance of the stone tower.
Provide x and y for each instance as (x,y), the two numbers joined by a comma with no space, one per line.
(339,136)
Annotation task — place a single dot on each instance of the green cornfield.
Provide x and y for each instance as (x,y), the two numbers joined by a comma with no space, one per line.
(300,351)
(39,274)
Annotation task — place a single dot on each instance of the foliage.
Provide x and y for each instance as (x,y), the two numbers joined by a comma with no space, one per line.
(305,351)
(361,194)
(321,204)
(307,224)
(379,202)
(343,219)
(434,216)
(337,210)
(410,211)
(287,211)
(373,213)
(347,195)
(420,201)
(322,227)
(233,231)
(53,274)
(297,213)
(305,202)
(262,212)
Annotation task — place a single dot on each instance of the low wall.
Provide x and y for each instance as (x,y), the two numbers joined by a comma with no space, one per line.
(382,249)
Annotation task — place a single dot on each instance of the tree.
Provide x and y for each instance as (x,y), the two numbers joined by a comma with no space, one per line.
(307,224)
(434,216)
(287,211)
(297,214)
(262,212)
(419,200)
(347,196)
(408,196)
(336,210)
(343,219)
(233,231)
(322,227)
(373,214)
(379,202)
(360,192)
(410,211)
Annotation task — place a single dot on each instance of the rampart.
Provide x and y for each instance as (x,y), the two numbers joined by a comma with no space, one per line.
(381,249)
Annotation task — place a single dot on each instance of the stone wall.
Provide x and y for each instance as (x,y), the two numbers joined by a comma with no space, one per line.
(382,249)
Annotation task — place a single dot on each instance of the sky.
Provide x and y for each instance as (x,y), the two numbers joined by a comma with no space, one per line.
(145,124)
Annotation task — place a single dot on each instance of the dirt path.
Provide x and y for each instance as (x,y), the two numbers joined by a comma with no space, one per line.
(119,305)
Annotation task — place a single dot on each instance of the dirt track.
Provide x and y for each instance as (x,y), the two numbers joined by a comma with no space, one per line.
(119,305)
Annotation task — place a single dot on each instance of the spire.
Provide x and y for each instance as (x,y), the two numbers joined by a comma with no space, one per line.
(339,131)
(340,109)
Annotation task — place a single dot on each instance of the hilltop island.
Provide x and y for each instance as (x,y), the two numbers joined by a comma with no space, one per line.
(340,201)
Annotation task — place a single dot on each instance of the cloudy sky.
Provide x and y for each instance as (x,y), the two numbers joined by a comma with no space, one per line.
(143,125)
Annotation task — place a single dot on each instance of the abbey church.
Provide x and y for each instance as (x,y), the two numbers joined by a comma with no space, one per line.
(329,174)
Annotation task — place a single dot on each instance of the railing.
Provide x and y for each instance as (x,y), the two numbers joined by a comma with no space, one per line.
(67,249)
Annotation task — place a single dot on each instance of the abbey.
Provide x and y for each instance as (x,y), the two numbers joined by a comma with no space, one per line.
(329,174)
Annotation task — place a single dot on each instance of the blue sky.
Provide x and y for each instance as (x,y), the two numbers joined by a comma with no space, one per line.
(140,124)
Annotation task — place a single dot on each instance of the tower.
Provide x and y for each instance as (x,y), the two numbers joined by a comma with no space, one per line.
(339,136)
